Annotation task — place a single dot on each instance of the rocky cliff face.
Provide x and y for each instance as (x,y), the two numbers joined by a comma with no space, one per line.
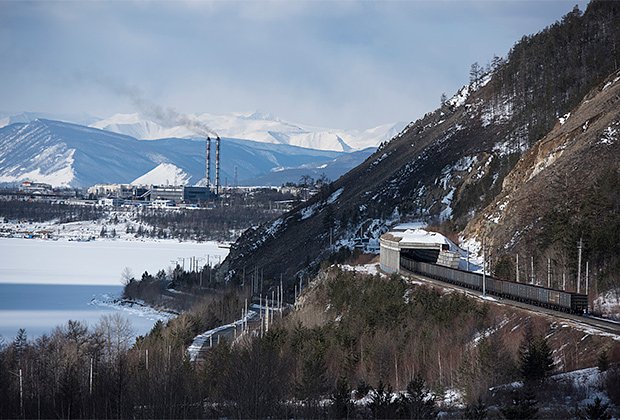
(450,164)
(565,188)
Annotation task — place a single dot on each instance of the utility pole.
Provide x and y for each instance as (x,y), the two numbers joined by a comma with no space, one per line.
(532,268)
(21,393)
(549,272)
(281,292)
(564,280)
(467,258)
(579,248)
(245,318)
(587,277)
(517,268)
(277,305)
(484,270)
(267,316)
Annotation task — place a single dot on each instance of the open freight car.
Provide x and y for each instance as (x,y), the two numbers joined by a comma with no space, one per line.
(528,293)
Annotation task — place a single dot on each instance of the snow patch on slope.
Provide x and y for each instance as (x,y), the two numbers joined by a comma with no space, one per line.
(610,134)
(164,174)
(608,304)
(53,164)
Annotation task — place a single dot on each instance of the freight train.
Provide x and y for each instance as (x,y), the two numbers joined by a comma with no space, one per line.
(559,300)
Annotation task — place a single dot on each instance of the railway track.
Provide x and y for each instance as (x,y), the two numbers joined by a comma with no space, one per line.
(600,324)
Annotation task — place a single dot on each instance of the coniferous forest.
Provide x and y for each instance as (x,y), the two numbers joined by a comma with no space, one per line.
(357,346)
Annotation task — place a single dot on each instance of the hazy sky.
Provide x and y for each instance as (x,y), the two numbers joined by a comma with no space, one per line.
(341,64)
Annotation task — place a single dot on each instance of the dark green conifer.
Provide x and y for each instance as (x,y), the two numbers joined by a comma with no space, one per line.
(523,405)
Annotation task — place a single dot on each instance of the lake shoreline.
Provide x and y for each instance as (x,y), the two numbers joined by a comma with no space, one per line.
(46,283)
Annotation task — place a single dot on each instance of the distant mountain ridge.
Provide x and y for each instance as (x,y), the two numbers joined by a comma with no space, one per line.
(66,154)
(257,126)
(8,118)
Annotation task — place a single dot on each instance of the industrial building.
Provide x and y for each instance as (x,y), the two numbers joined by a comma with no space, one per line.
(166,192)
(111,193)
(416,244)
(197,194)
(122,191)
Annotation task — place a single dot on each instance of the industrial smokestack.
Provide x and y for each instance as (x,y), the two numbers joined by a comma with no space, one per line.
(217,165)
(208,162)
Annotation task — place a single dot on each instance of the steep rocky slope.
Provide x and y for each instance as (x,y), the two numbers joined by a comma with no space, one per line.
(565,188)
(451,163)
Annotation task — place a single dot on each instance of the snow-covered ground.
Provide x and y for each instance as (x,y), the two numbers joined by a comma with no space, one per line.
(114,224)
(609,304)
(201,339)
(371,269)
(589,381)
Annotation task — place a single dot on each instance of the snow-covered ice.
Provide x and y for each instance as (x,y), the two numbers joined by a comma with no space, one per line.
(96,262)
(44,284)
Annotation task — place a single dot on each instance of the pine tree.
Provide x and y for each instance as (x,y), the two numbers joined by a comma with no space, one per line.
(603,361)
(523,405)
(594,411)
(535,360)
(443,99)
(381,402)
(475,74)
(313,382)
(341,407)
(418,402)
(477,411)
(20,343)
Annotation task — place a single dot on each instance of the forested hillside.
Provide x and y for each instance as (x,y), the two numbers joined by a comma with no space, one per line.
(450,164)
(566,188)
(373,335)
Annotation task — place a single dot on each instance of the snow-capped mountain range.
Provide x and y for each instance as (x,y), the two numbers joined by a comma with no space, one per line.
(256,126)
(66,154)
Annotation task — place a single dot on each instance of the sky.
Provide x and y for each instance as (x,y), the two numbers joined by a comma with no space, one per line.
(340,64)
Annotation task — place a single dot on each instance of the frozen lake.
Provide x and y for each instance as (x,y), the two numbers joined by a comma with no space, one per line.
(46,283)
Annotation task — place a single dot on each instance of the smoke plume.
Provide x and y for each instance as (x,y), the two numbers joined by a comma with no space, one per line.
(167,117)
